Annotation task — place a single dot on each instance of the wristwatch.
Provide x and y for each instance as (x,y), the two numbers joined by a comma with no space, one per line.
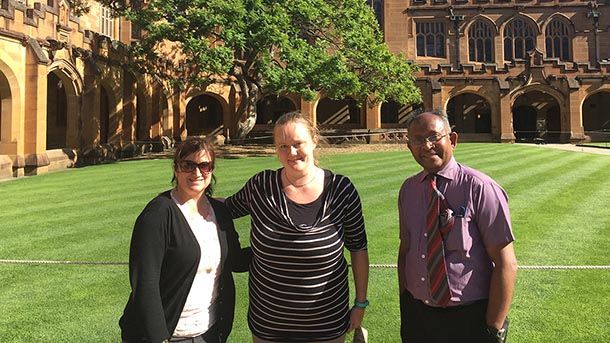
(500,334)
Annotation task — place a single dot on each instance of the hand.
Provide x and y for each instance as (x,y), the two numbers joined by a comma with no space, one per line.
(355,320)
(498,335)
(492,338)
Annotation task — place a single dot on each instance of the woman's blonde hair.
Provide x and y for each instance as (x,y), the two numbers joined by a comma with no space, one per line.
(296,117)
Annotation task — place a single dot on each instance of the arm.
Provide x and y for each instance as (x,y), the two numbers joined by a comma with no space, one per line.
(145,261)
(502,284)
(240,257)
(239,203)
(360,269)
(402,252)
(355,238)
(404,235)
(493,220)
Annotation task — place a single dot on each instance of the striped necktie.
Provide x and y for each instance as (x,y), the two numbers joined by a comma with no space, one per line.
(435,224)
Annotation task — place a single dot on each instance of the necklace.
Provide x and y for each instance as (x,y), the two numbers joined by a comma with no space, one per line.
(315,175)
(201,208)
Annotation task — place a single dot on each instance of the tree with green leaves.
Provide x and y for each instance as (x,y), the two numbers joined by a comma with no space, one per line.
(304,47)
(79,7)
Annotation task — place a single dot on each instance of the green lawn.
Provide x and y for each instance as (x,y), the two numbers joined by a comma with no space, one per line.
(558,199)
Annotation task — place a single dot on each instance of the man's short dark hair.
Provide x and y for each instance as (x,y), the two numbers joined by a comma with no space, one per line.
(437,112)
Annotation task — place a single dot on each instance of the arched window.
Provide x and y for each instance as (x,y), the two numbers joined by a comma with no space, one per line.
(518,39)
(480,42)
(430,39)
(557,40)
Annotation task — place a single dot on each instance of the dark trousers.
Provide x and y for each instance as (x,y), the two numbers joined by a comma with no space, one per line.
(420,323)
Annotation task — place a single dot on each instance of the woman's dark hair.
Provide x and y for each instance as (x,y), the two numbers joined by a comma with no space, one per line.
(193,145)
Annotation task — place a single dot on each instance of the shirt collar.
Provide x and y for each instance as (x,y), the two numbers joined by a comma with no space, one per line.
(449,172)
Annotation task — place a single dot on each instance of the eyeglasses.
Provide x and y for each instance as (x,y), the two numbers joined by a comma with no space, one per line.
(417,142)
(189,166)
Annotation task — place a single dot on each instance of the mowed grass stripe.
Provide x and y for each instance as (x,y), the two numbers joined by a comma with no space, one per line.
(535,182)
(563,225)
(600,238)
(543,187)
(44,223)
(377,178)
(561,306)
(353,164)
(241,169)
(381,218)
(503,168)
(483,155)
(480,155)
(67,301)
(87,203)
(61,302)
(528,166)
(99,245)
(232,174)
(84,184)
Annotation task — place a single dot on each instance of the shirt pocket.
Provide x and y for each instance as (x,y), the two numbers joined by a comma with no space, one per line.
(459,239)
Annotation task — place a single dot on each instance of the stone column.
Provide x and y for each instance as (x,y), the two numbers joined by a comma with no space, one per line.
(505,118)
(571,119)
(373,121)
(90,115)
(35,113)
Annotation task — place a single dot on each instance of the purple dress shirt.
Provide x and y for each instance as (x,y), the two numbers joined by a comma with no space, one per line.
(482,219)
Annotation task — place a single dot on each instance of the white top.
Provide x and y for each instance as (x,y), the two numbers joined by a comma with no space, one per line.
(198,314)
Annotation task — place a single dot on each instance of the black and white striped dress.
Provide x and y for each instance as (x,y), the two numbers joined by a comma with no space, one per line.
(298,284)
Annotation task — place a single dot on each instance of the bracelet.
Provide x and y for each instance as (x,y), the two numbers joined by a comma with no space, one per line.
(361,305)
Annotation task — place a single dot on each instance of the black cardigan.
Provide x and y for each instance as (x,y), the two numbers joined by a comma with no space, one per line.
(163,259)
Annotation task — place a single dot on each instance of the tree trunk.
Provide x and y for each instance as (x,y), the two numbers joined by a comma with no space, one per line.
(246,111)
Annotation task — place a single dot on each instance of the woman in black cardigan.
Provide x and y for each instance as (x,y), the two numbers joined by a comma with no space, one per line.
(183,251)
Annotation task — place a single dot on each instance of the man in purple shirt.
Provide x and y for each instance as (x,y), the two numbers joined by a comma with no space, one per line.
(480,262)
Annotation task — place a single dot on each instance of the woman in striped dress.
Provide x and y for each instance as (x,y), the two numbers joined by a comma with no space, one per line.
(302,218)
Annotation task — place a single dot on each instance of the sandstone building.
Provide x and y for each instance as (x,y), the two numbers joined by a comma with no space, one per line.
(505,71)
(509,70)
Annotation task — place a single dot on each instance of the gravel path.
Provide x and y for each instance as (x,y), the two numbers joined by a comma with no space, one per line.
(580,148)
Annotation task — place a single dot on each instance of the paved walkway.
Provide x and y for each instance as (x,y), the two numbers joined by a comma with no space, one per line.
(572,147)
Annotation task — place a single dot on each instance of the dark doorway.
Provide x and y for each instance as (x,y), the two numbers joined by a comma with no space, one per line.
(203,116)
(338,113)
(270,108)
(57,112)
(469,113)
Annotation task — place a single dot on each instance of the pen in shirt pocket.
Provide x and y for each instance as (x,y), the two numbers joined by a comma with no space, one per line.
(462,212)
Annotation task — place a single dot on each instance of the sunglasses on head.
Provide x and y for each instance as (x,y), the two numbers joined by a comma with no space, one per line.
(189,166)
